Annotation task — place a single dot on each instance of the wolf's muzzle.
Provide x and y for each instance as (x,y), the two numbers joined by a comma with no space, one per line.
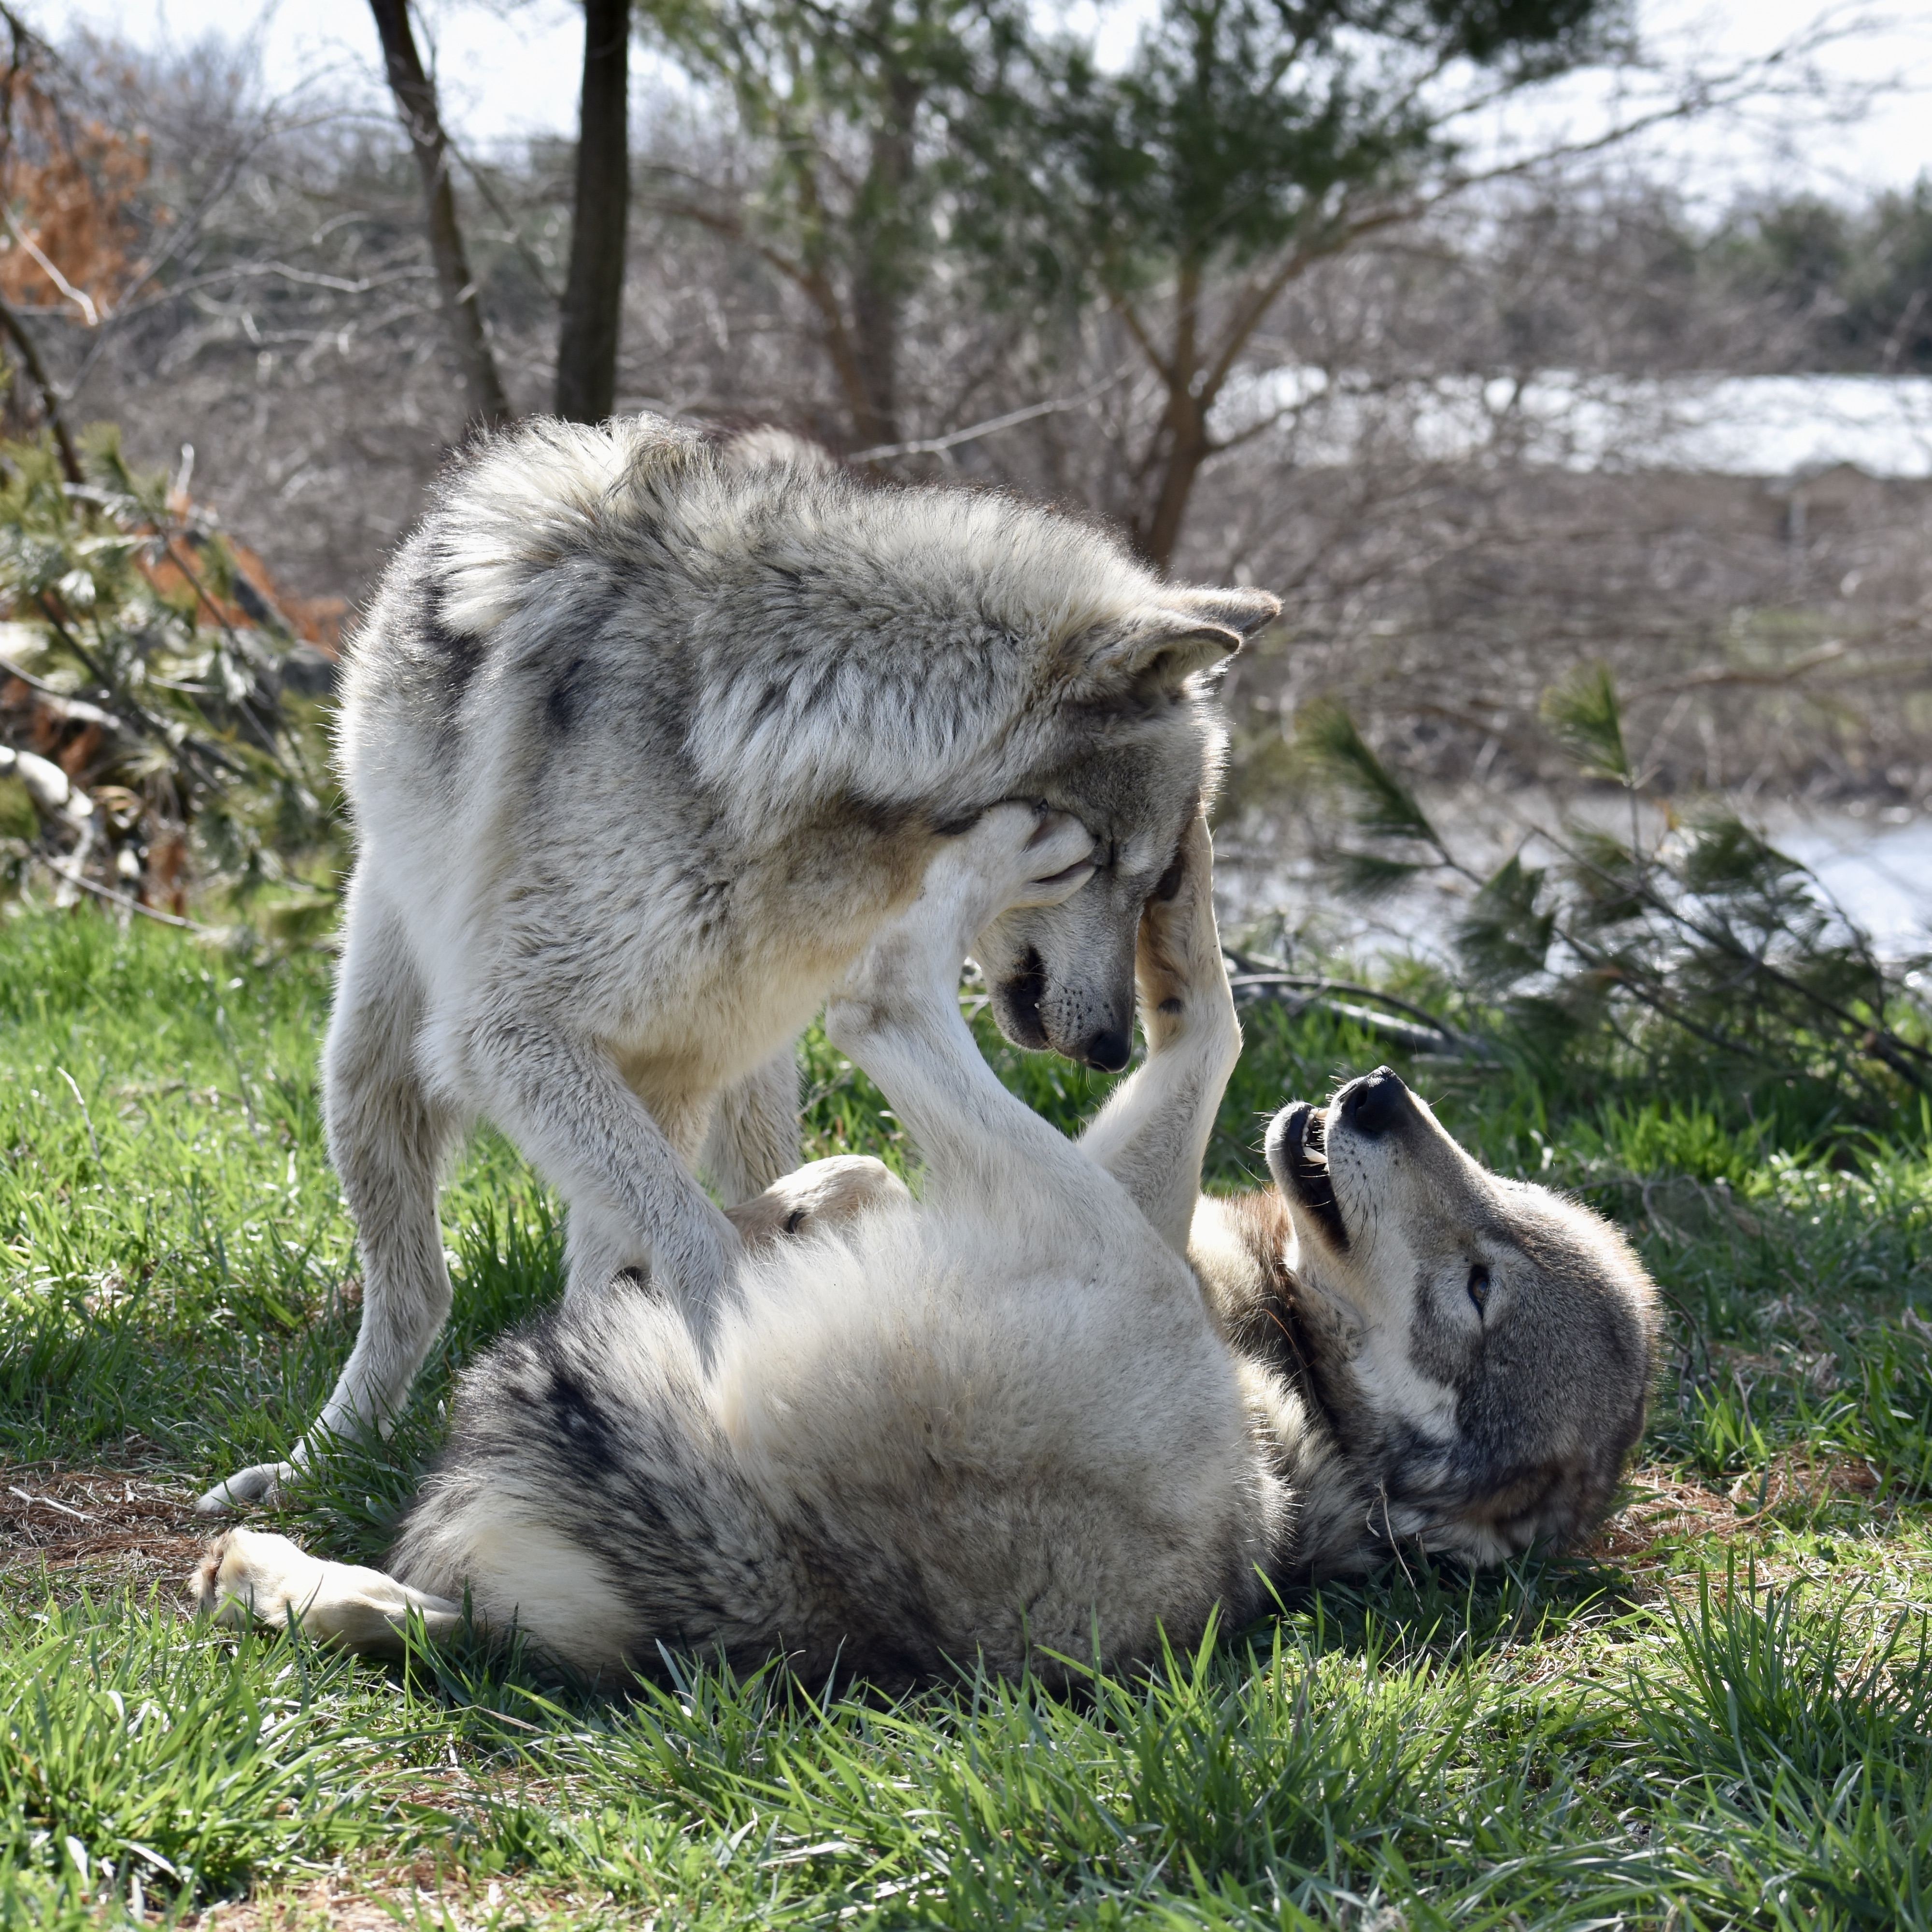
(1016,1003)
(1297,1154)
(1375,1103)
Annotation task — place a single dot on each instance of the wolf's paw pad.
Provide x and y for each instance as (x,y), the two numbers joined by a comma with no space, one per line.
(262,1485)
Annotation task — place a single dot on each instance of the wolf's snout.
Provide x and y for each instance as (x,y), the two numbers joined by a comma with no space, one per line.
(1375,1103)
(1109,1051)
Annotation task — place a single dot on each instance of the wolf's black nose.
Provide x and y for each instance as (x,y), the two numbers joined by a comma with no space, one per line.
(1108,1051)
(1373,1104)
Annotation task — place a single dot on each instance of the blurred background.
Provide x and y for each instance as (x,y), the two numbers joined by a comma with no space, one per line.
(1567,367)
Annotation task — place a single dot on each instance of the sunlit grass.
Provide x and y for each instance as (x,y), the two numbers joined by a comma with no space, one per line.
(1728,1728)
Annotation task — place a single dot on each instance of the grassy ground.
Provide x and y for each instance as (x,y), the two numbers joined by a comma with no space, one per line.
(1721,1713)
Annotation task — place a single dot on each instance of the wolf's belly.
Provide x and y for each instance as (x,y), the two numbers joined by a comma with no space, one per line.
(716,1033)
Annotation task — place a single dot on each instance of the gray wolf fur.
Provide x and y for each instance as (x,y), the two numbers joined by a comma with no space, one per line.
(644,736)
(984,1425)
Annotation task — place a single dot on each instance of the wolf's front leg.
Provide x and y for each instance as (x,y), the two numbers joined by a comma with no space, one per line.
(897,1011)
(754,1138)
(251,1577)
(1152,1135)
(632,1202)
(388,1136)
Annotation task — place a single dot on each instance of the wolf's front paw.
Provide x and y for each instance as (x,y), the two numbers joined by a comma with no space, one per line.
(821,1195)
(250,1577)
(265,1484)
(1014,855)
(1178,969)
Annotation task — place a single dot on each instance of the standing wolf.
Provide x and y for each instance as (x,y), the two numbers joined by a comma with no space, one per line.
(992,1423)
(644,736)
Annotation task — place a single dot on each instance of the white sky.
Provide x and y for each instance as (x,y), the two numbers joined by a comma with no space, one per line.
(507,68)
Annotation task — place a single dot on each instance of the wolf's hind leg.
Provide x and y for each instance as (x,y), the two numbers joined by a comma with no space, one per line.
(251,1577)
(755,1138)
(389,1139)
(1152,1135)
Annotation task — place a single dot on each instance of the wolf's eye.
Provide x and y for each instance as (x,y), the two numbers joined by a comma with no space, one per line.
(1479,1286)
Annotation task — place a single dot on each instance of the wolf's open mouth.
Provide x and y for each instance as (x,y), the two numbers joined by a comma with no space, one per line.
(1017,1001)
(1302,1140)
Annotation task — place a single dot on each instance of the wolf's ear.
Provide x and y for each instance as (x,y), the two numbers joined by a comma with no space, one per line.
(1185,632)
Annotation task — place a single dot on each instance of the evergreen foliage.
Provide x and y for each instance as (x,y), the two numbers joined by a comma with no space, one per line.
(1660,937)
(1859,279)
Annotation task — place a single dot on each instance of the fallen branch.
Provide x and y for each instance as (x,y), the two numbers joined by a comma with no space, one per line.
(75,878)
(50,396)
(1708,677)
(1258,975)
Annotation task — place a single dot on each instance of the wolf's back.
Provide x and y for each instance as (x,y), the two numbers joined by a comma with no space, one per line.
(485,578)
(776,627)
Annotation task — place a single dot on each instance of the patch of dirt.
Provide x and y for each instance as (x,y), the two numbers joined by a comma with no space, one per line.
(365,1900)
(1668,1506)
(1797,1481)
(96,1525)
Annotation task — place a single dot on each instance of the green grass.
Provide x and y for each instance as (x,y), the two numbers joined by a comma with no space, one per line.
(1730,1723)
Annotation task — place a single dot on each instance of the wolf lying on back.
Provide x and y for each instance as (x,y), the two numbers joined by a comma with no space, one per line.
(984,1425)
(644,736)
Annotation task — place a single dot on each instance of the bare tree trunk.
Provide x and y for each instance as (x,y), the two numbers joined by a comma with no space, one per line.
(587,347)
(878,283)
(1180,444)
(1157,530)
(415,102)
(875,316)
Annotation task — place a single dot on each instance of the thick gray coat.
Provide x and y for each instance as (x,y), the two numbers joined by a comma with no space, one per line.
(642,737)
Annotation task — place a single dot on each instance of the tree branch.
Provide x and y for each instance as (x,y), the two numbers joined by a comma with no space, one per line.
(50,396)
(937,446)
